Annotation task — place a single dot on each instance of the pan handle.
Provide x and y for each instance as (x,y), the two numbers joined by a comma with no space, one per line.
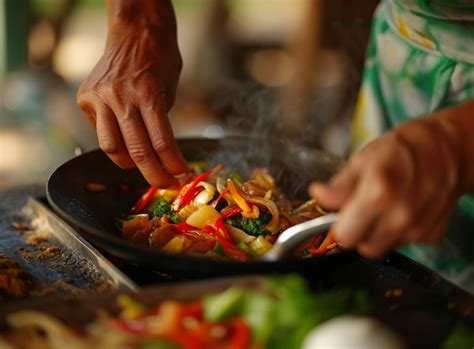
(296,235)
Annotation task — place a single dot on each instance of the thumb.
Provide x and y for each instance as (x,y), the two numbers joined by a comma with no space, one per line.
(334,194)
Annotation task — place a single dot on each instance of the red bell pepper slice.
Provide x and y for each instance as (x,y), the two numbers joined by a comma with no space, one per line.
(222,235)
(185,227)
(322,249)
(191,193)
(194,310)
(144,200)
(233,252)
(218,231)
(233,211)
(221,227)
(241,337)
(210,230)
(188,192)
(220,197)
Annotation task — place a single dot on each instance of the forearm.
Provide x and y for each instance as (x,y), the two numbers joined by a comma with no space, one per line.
(458,123)
(151,13)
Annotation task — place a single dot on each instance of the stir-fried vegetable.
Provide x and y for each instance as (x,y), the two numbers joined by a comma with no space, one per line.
(219,214)
(256,226)
(162,208)
(281,317)
(189,191)
(144,200)
(275,313)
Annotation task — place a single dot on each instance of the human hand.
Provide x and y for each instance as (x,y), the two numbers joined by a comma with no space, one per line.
(128,94)
(400,189)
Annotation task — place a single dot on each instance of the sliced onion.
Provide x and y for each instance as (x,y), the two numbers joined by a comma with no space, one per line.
(252,188)
(238,235)
(260,246)
(204,215)
(292,220)
(305,206)
(176,245)
(221,184)
(274,225)
(186,211)
(206,195)
(263,178)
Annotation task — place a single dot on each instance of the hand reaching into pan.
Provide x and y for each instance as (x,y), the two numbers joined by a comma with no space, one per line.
(129,92)
(402,187)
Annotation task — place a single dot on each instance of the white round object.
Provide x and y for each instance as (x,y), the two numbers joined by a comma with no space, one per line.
(352,332)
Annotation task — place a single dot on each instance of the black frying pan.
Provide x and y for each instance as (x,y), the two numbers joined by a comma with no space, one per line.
(93,212)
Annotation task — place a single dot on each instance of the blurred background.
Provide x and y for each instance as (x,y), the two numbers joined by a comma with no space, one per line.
(271,68)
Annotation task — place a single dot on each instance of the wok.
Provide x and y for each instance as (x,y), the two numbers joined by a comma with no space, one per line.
(92,213)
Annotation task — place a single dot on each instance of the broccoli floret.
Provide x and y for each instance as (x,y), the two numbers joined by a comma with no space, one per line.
(174,218)
(255,226)
(161,208)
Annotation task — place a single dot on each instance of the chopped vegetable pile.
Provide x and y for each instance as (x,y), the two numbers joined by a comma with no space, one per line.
(278,313)
(218,214)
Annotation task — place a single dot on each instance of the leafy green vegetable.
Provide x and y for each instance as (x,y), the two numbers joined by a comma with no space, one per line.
(174,218)
(161,208)
(255,226)
(460,337)
(258,311)
(224,305)
(282,316)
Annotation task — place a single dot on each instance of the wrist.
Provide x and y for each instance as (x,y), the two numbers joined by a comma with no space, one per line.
(154,14)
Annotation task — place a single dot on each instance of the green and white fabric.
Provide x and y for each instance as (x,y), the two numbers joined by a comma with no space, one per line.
(421,59)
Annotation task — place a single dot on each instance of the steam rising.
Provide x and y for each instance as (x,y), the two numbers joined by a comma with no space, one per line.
(252,116)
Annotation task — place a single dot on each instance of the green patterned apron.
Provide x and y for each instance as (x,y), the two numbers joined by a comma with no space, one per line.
(421,59)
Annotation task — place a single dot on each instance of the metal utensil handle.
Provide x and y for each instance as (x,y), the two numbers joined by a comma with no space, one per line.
(296,235)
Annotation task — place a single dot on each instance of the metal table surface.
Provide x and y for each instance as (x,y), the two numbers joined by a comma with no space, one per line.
(54,259)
